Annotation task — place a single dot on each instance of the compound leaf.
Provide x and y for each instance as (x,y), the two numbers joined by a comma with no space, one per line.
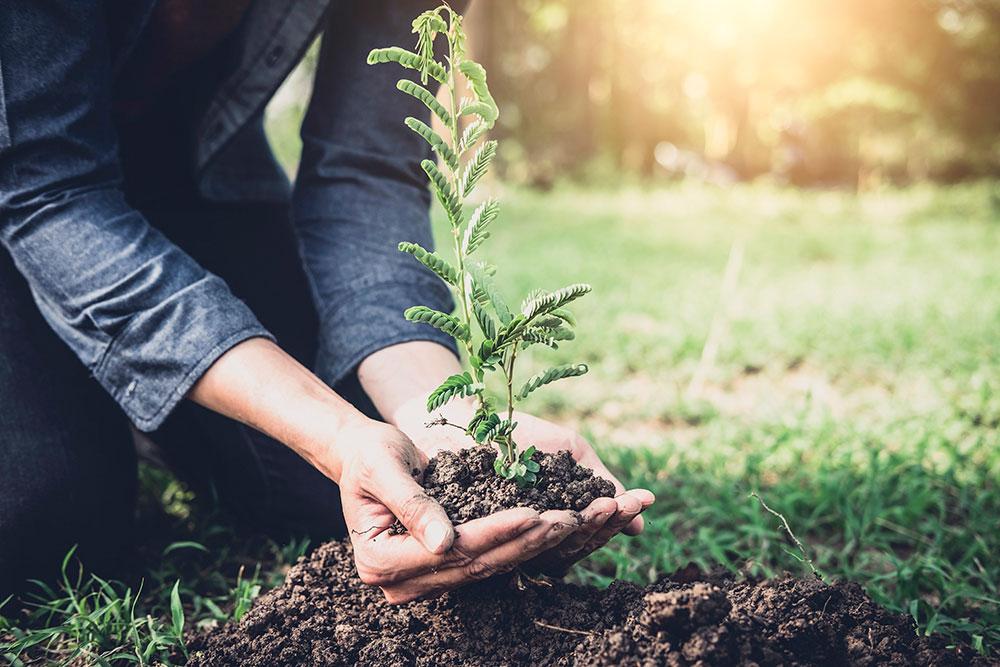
(486,428)
(546,302)
(425,96)
(486,323)
(484,106)
(477,167)
(486,292)
(435,140)
(446,323)
(444,192)
(460,385)
(409,60)
(476,231)
(474,131)
(550,375)
(432,261)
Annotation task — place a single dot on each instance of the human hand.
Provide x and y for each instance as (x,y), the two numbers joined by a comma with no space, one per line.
(378,468)
(601,520)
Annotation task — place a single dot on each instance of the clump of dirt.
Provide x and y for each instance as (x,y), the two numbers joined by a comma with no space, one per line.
(466,486)
(324,615)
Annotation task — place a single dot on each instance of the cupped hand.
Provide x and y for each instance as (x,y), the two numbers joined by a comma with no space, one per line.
(378,468)
(601,520)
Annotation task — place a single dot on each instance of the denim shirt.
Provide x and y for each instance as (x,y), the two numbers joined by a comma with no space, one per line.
(144,317)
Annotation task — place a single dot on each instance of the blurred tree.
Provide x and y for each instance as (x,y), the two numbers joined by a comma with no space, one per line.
(813,91)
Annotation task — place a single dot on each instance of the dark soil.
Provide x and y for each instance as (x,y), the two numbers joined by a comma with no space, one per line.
(324,615)
(464,484)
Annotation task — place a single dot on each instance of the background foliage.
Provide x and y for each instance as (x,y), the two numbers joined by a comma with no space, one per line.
(851,92)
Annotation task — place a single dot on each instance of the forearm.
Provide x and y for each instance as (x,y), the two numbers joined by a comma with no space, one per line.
(260,385)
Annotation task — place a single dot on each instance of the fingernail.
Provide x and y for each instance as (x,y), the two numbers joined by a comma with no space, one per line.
(436,536)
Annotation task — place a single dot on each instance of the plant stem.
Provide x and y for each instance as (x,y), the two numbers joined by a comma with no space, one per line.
(456,177)
(456,181)
(508,372)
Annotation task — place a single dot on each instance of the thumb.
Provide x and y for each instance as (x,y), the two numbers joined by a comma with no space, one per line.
(422,516)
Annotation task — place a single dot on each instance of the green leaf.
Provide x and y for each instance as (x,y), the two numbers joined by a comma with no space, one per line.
(432,261)
(409,60)
(476,231)
(435,140)
(486,292)
(477,167)
(486,323)
(176,610)
(565,315)
(550,375)
(486,427)
(416,90)
(446,323)
(510,333)
(546,302)
(474,131)
(444,192)
(174,546)
(455,386)
(427,26)
(549,336)
(525,478)
(500,466)
(484,106)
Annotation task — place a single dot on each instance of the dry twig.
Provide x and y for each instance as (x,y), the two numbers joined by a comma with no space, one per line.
(585,633)
(788,529)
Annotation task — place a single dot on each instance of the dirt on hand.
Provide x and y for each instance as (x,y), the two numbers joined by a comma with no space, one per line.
(324,615)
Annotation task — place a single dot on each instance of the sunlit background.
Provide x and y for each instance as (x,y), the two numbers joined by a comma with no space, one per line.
(845,92)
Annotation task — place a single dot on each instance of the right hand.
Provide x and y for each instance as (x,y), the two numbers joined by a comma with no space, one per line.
(378,468)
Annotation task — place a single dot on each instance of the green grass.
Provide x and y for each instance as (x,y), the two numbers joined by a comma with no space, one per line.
(856,389)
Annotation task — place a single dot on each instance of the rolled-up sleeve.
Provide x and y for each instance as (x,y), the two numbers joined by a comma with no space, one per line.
(143,316)
(360,191)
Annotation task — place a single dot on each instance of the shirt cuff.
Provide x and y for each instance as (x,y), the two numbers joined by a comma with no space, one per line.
(153,363)
(370,321)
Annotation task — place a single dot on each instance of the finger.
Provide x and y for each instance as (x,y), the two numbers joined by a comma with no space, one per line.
(594,517)
(554,527)
(638,524)
(419,513)
(402,557)
(635,526)
(629,508)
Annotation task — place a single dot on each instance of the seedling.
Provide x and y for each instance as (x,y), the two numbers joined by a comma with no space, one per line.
(489,331)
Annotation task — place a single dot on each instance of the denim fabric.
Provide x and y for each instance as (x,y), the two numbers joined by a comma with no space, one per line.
(145,318)
(67,463)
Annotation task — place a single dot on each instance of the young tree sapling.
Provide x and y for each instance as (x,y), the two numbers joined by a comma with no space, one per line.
(543,318)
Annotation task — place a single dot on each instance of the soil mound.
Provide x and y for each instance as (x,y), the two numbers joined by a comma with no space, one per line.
(324,615)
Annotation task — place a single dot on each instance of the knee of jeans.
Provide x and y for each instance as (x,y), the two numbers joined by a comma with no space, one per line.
(53,507)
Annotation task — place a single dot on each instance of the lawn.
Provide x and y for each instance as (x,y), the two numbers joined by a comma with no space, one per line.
(855,386)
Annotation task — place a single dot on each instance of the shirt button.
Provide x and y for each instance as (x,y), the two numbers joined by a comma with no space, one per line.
(273,56)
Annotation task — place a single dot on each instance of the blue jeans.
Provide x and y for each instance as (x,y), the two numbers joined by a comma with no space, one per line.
(67,461)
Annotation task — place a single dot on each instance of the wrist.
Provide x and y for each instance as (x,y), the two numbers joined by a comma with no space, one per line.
(400,377)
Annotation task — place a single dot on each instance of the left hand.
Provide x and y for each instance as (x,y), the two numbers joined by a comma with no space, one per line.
(602,519)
